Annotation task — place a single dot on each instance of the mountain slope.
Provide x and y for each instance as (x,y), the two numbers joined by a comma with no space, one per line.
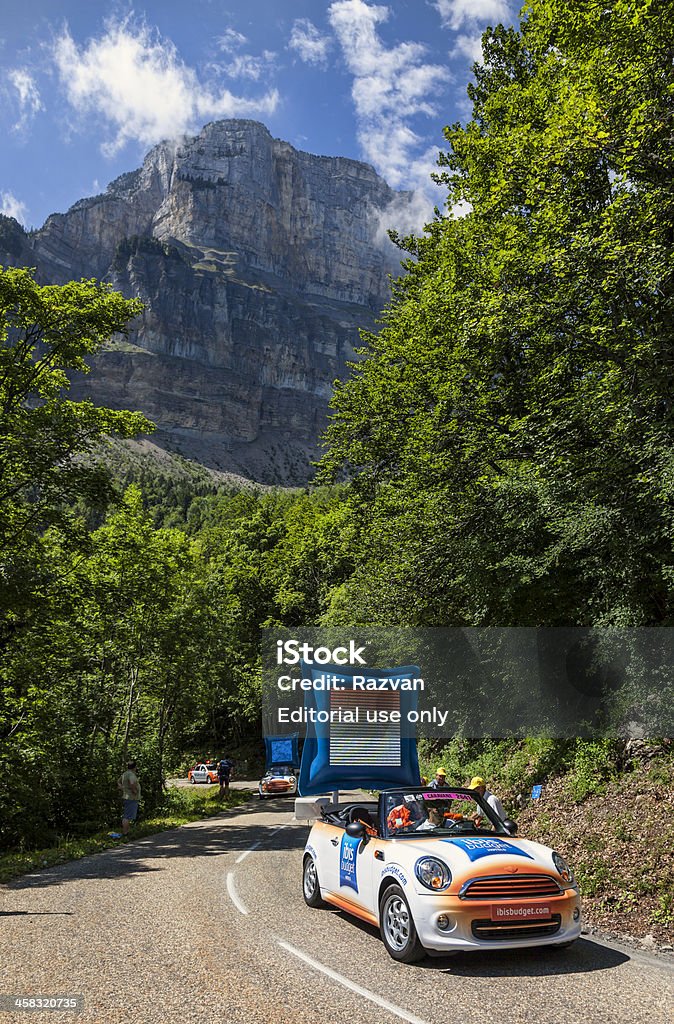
(257,264)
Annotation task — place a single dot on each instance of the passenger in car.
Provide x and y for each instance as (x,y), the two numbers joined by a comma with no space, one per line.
(405,815)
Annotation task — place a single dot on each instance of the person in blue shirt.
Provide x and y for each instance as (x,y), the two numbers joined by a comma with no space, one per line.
(225,766)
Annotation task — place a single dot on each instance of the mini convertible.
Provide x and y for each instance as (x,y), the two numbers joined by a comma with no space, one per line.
(438,871)
(278,781)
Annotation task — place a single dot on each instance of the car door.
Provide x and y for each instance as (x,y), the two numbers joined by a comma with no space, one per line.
(348,872)
(199,774)
(325,844)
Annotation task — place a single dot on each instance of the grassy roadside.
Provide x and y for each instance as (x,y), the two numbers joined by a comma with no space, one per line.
(181,806)
(621,844)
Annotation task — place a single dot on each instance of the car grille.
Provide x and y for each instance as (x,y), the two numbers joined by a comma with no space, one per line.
(278,785)
(510,887)
(486,929)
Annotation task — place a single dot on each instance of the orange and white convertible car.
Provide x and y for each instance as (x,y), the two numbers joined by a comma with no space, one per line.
(281,780)
(437,871)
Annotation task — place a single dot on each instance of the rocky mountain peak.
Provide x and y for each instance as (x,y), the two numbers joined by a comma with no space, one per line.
(257,264)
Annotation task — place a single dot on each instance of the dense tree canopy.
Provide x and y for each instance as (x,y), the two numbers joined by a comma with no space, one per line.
(45,333)
(46,486)
(513,418)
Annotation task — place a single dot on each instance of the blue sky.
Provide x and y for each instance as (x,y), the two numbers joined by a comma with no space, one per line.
(87,88)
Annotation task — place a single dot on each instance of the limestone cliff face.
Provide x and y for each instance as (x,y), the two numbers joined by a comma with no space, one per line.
(257,264)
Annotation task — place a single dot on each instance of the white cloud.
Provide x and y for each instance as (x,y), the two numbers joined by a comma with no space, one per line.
(28,97)
(469,46)
(310,45)
(242,65)
(13,207)
(247,65)
(391,86)
(138,84)
(469,18)
(231,40)
(458,14)
(406,214)
(461,209)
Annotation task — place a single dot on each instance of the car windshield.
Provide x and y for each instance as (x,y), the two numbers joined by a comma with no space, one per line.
(282,770)
(439,812)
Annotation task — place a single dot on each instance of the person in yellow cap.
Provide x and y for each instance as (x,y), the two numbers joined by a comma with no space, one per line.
(479,785)
(440,780)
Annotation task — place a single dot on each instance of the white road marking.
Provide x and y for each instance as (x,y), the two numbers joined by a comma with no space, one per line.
(384,1003)
(245,853)
(241,907)
(242,856)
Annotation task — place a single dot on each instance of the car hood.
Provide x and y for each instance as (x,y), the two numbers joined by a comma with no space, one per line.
(477,855)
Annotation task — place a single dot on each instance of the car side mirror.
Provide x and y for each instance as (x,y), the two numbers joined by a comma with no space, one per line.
(357,830)
(510,826)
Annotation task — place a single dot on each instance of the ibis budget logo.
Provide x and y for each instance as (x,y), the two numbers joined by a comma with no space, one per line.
(347,861)
(475,849)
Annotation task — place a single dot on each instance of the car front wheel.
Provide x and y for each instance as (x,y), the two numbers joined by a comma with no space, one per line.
(310,886)
(192,780)
(397,927)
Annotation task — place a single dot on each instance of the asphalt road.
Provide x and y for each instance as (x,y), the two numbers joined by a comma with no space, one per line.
(207,924)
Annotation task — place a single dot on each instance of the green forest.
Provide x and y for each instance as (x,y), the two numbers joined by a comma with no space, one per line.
(501,453)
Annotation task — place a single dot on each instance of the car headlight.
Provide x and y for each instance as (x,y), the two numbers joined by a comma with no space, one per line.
(292,780)
(432,873)
(563,868)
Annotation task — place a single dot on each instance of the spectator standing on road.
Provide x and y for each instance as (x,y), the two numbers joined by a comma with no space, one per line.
(225,766)
(129,786)
(478,784)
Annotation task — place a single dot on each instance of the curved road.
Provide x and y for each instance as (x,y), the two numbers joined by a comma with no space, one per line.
(207,924)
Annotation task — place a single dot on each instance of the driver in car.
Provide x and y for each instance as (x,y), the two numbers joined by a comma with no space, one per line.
(433,821)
